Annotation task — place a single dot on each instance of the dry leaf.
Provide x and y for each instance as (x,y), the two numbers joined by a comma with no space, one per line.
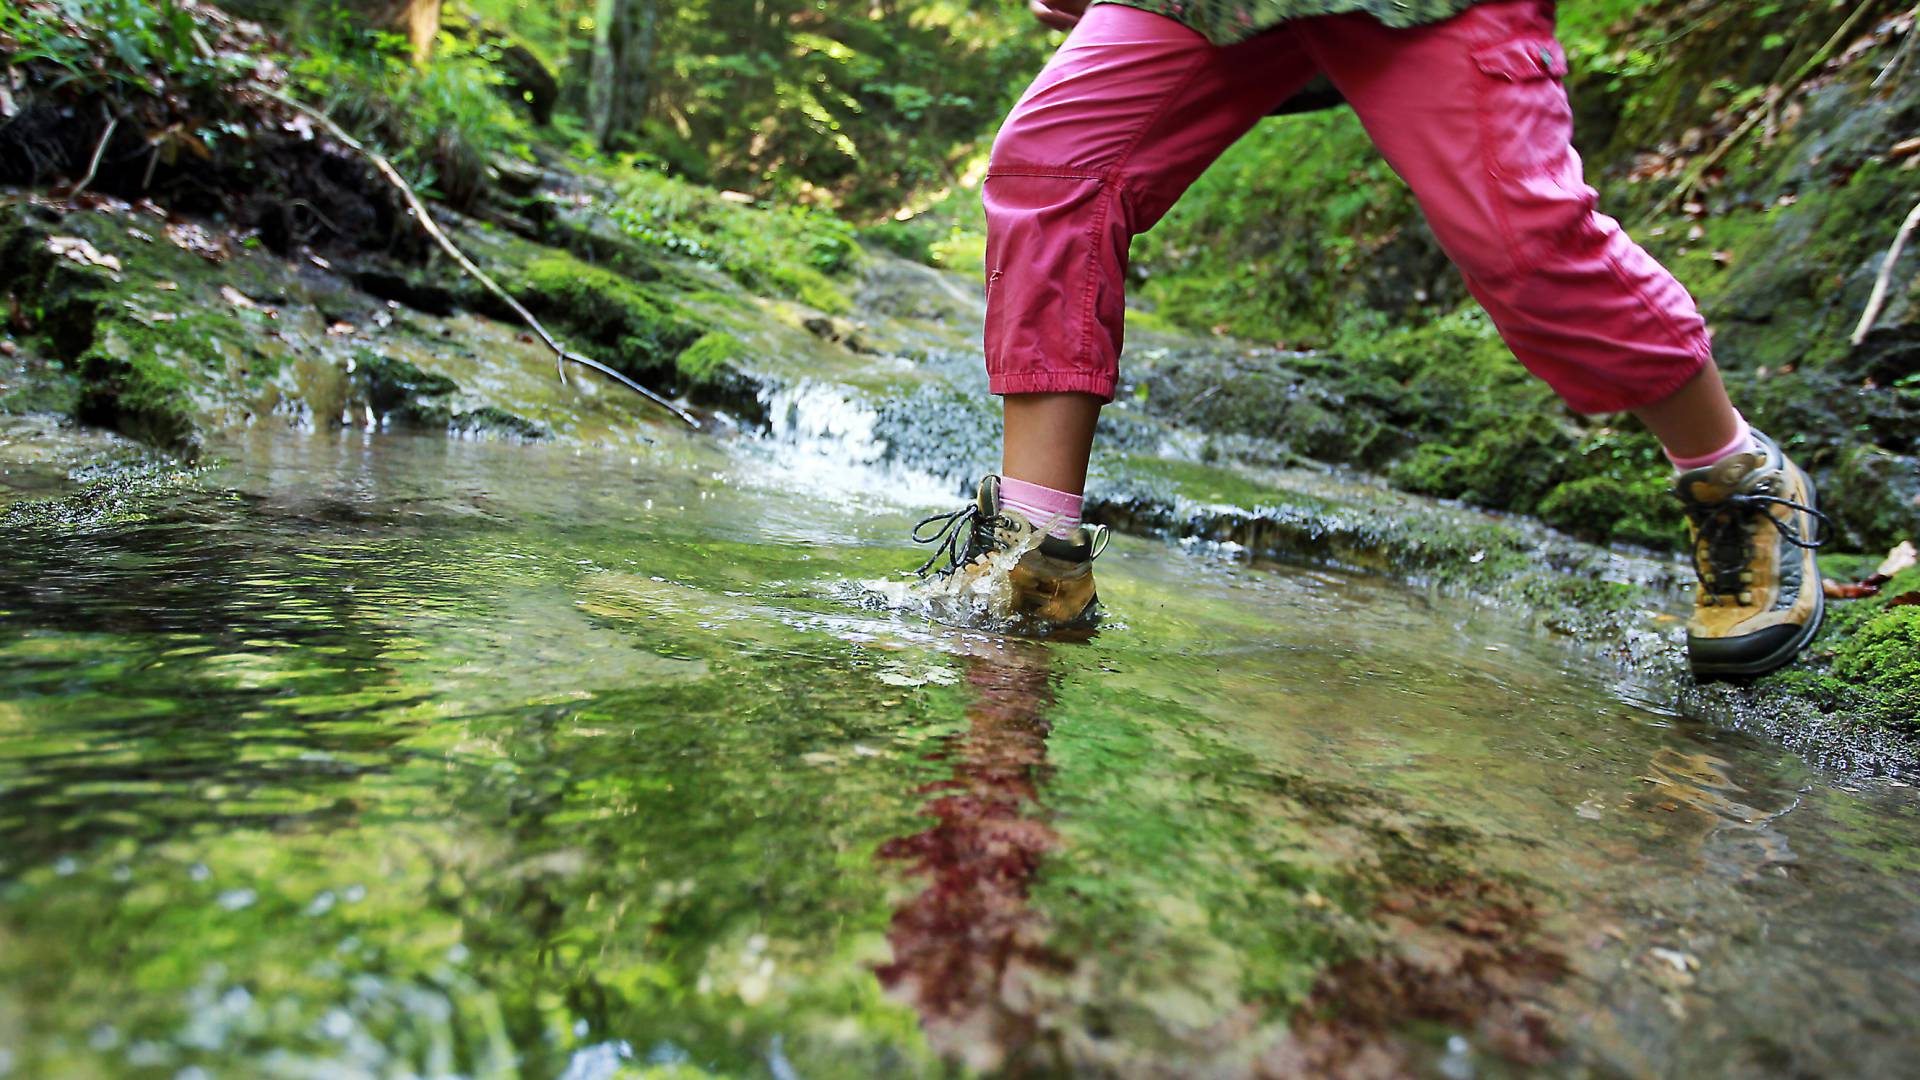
(1911,599)
(340,329)
(80,251)
(1903,557)
(237,298)
(189,237)
(1837,591)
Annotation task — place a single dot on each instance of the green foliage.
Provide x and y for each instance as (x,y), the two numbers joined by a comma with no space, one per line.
(861,104)
(1272,242)
(112,46)
(442,124)
(787,250)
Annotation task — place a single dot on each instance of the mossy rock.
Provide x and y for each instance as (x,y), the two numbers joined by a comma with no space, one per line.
(393,387)
(1511,466)
(135,384)
(490,420)
(637,333)
(1639,510)
(711,358)
(1882,659)
(1874,496)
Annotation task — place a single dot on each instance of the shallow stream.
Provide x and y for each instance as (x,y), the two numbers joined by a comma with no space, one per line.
(407,756)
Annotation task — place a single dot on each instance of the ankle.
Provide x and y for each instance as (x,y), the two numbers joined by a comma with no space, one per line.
(1057,512)
(1740,443)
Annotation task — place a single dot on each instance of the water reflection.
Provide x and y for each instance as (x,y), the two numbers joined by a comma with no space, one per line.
(965,947)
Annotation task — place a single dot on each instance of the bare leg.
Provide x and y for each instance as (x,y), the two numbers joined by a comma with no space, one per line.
(1696,419)
(1049,438)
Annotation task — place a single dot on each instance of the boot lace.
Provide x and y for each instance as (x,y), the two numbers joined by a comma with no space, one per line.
(960,536)
(1727,530)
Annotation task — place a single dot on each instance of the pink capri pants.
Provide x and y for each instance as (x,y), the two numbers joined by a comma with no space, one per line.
(1471,112)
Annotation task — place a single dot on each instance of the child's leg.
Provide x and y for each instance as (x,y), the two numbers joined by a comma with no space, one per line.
(1130,110)
(1473,114)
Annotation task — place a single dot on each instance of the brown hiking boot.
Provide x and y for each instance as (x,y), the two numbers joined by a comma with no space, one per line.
(1051,578)
(1755,524)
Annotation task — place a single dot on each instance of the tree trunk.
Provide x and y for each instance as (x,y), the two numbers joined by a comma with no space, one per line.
(623,43)
(419,20)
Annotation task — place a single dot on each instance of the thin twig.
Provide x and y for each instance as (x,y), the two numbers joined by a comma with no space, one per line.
(1906,48)
(1699,169)
(420,213)
(99,152)
(1884,282)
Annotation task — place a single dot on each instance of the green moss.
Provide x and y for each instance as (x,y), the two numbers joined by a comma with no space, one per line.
(1883,659)
(638,333)
(1511,465)
(711,357)
(135,383)
(1606,508)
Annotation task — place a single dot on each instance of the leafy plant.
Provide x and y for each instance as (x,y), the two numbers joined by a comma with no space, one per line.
(113,46)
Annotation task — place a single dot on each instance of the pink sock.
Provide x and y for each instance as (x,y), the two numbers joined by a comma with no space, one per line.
(1742,441)
(1058,512)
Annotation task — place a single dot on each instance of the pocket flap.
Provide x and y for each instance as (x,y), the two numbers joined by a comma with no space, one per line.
(1523,59)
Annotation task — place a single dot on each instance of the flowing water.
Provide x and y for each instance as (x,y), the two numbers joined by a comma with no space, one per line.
(405,756)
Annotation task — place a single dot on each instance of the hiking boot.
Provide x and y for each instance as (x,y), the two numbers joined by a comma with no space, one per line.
(1052,579)
(1755,524)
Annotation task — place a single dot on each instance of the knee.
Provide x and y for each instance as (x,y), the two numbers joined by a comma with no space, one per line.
(1028,140)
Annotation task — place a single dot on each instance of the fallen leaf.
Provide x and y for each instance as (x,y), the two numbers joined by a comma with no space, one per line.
(167,286)
(237,298)
(190,237)
(1904,148)
(1903,557)
(1911,599)
(81,251)
(1834,590)
(340,329)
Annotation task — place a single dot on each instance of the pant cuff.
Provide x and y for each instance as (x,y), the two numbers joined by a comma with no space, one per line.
(1053,382)
(1629,400)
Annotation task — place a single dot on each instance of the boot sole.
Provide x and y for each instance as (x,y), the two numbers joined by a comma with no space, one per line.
(1773,661)
(1783,655)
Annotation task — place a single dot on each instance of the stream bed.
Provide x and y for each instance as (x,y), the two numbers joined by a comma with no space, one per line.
(388,755)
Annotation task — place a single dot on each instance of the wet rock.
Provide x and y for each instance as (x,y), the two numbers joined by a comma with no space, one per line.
(1875,496)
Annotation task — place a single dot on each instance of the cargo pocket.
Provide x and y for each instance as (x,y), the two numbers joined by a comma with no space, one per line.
(1524,114)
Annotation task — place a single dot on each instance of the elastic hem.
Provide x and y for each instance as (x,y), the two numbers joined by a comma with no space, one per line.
(1054,382)
(1659,391)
